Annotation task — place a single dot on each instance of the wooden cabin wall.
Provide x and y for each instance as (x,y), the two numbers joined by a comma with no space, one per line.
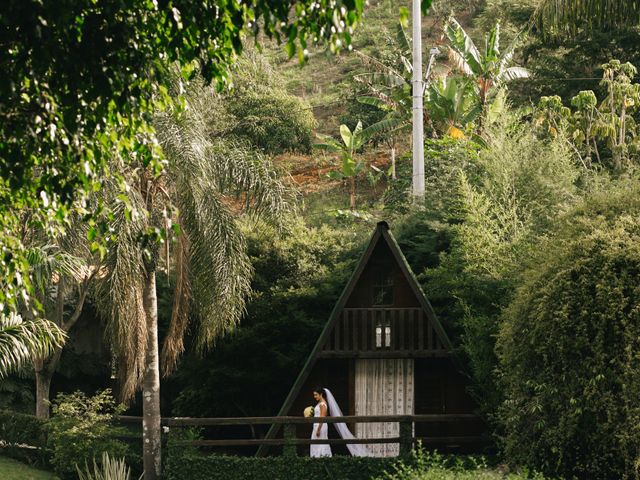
(362,295)
(441,388)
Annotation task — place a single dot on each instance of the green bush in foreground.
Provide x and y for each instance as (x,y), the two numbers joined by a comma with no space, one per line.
(420,465)
(569,347)
(81,430)
(425,465)
(109,469)
(24,436)
(219,467)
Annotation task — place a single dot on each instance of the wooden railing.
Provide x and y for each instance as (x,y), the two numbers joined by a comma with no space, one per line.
(405,438)
(404,331)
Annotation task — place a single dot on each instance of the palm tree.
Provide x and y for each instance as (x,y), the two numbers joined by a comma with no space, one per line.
(207,185)
(59,277)
(568,18)
(23,340)
(490,67)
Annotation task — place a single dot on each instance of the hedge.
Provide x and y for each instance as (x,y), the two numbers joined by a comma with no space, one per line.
(219,467)
(569,348)
(24,436)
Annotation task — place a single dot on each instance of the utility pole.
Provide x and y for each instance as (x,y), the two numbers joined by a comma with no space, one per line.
(417,89)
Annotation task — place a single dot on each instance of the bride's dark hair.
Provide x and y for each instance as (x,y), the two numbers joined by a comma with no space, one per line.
(320,390)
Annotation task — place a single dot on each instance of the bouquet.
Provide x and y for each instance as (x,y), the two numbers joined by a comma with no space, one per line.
(309,412)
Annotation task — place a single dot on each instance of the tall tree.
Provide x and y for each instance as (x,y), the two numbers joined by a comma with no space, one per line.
(60,278)
(64,113)
(197,202)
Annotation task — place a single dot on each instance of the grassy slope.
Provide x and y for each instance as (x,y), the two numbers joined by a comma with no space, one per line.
(14,470)
(324,83)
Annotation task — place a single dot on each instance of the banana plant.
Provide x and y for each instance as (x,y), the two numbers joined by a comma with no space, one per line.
(490,68)
(350,166)
(390,87)
(452,104)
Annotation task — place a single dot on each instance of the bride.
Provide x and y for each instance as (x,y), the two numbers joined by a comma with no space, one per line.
(327,406)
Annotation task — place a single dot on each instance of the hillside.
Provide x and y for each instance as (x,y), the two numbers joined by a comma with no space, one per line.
(326,83)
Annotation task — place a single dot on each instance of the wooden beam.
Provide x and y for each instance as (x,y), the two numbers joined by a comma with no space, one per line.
(450,417)
(386,354)
(284,441)
(332,441)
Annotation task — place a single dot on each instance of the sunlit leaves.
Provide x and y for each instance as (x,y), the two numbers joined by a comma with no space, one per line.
(23,340)
(80,79)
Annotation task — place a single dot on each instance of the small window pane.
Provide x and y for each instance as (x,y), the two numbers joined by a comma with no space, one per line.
(387,336)
(383,286)
(378,337)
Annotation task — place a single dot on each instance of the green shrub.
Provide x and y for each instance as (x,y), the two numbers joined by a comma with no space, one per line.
(569,347)
(213,467)
(260,110)
(425,465)
(24,436)
(81,429)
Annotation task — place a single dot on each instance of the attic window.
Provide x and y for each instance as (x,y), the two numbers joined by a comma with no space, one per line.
(383,286)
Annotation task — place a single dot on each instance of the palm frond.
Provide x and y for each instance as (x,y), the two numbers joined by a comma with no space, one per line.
(212,183)
(23,340)
(330,144)
(463,51)
(48,261)
(386,125)
(239,171)
(513,73)
(403,39)
(174,342)
(386,79)
(219,264)
(119,292)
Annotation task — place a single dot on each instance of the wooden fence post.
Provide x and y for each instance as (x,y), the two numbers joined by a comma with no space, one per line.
(406,437)
(289,450)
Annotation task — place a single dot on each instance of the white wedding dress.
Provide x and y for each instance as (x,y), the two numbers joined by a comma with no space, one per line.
(320,450)
(357,450)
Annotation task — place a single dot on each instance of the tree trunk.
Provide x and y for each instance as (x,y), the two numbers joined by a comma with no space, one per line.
(43,385)
(352,182)
(151,430)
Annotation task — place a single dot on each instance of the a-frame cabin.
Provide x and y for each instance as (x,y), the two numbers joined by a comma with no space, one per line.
(384,352)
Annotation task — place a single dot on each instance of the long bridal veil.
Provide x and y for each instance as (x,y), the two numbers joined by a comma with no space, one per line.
(357,450)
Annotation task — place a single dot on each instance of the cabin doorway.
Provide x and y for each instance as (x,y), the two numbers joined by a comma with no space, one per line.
(384,386)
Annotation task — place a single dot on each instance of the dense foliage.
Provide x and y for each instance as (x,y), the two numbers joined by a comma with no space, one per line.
(506,194)
(213,467)
(425,465)
(18,430)
(260,110)
(65,113)
(81,430)
(298,277)
(569,347)
(504,244)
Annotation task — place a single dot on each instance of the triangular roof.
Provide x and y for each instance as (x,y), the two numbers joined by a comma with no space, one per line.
(381,234)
